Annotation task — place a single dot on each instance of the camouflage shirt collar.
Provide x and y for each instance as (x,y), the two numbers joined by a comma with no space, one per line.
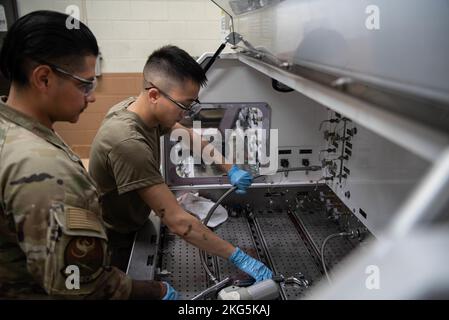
(30,124)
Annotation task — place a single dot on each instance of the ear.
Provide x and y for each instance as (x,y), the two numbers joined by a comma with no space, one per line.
(42,78)
(153,95)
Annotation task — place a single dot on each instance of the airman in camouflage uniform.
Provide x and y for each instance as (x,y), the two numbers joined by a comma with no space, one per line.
(52,238)
(50,217)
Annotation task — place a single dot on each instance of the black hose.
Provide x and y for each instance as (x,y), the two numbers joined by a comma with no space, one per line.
(214,57)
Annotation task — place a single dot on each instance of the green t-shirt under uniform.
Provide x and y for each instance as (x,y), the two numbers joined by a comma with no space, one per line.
(125,157)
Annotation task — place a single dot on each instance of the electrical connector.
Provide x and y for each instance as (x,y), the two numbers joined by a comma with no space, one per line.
(330,121)
(327,134)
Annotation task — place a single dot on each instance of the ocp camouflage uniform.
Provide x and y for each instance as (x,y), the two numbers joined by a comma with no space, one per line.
(50,218)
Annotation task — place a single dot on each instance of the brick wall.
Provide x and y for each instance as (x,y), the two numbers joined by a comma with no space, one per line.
(112,88)
(127,32)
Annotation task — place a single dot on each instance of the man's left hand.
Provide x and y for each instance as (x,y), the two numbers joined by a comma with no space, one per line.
(240,178)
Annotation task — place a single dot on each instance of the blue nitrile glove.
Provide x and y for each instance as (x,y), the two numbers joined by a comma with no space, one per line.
(171,293)
(240,178)
(251,266)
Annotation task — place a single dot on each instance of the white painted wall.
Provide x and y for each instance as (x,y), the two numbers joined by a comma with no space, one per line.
(129,30)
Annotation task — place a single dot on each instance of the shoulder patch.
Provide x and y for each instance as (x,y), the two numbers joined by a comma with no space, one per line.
(81,219)
(87,253)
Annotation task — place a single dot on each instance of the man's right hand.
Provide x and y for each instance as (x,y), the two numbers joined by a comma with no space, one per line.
(251,266)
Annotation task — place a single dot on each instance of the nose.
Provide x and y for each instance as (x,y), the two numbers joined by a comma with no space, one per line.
(90,98)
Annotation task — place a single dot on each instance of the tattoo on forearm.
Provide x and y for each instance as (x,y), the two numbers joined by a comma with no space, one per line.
(189,228)
(204,237)
(161,213)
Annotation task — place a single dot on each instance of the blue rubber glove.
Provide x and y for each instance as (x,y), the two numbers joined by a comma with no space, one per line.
(171,293)
(251,266)
(240,178)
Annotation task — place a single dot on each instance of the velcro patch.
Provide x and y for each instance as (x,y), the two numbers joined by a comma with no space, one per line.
(78,218)
(88,255)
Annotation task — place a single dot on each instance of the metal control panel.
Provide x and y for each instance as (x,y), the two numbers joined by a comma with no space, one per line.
(224,126)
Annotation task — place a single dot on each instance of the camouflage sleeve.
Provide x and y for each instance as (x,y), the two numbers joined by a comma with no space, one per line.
(63,239)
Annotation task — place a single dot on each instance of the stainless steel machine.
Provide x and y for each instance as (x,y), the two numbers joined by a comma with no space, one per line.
(358,98)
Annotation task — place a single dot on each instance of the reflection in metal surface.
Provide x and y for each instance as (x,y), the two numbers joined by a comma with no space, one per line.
(243,6)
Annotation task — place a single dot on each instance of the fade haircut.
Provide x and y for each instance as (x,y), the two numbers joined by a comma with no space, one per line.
(172,66)
(43,36)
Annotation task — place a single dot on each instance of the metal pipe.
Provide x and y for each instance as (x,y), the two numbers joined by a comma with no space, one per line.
(205,221)
(309,168)
(304,233)
(203,260)
(212,209)
(426,201)
(341,234)
(268,255)
(300,282)
(215,56)
(211,289)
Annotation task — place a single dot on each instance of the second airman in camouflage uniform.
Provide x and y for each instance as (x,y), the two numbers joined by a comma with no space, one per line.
(50,217)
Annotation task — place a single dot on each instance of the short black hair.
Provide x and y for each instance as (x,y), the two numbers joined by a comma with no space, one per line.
(44,36)
(175,64)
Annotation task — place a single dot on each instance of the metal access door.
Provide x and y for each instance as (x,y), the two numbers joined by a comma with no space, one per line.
(401,44)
